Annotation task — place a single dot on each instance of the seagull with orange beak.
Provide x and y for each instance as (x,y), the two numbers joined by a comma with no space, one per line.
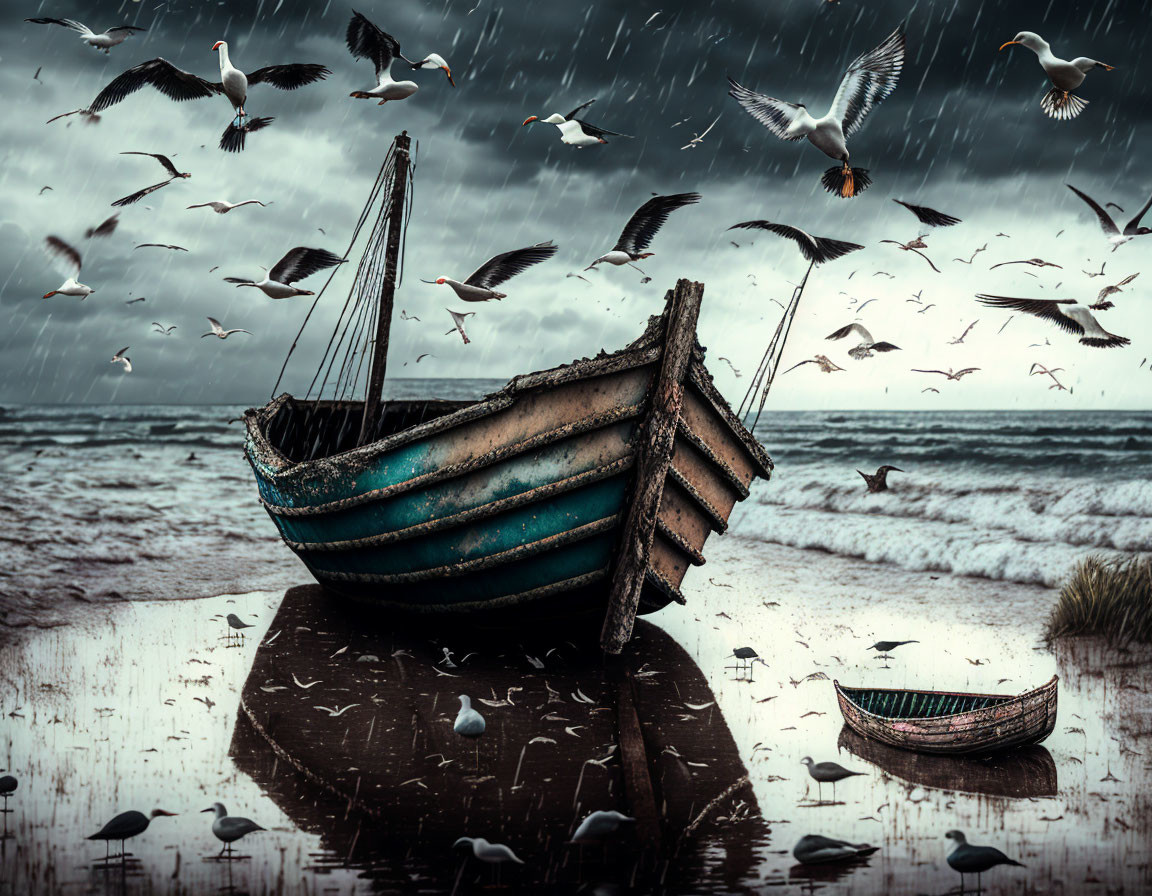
(573,131)
(366,41)
(641,229)
(479,287)
(1059,102)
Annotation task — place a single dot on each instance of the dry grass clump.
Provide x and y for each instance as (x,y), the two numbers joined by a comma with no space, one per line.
(1108,597)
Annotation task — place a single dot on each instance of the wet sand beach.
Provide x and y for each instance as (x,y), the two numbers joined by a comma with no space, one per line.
(136,706)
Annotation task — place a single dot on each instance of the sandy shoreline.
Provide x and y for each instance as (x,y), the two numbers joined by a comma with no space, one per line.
(92,699)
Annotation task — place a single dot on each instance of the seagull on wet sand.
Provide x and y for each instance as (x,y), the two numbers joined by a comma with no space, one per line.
(642,228)
(230,828)
(969,859)
(599,826)
(478,287)
(219,332)
(123,360)
(878,481)
(297,264)
(575,131)
(869,79)
(928,216)
(817,249)
(8,785)
(1111,230)
(104,40)
(826,772)
(70,260)
(1059,102)
(125,826)
(815,849)
(867,345)
(237,625)
(1068,314)
(223,206)
(492,853)
(885,649)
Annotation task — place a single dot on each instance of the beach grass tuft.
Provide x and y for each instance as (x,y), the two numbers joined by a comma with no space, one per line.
(1107,597)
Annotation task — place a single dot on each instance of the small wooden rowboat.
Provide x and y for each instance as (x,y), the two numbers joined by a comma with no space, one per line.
(949,722)
(588,488)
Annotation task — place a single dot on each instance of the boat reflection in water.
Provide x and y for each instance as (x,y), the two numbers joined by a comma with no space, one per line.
(351,734)
(1027,772)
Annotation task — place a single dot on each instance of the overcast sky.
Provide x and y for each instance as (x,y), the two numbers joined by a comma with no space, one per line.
(963,132)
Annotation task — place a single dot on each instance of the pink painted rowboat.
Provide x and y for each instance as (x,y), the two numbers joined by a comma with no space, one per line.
(949,722)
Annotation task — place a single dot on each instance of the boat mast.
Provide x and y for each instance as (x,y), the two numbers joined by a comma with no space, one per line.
(375,389)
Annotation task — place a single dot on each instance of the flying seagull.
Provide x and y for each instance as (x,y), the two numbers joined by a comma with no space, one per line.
(1059,102)
(163,330)
(166,164)
(914,246)
(642,227)
(105,40)
(219,332)
(366,41)
(928,216)
(458,319)
(869,79)
(817,249)
(1037,367)
(878,481)
(959,340)
(161,246)
(122,359)
(69,260)
(825,364)
(223,206)
(948,373)
(296,264)
(698,139)
(867,345)
(1102,303)
(105,228)
(1110,228)
(575,131)
(479,285)
(1068,314)
(974,254)
(1035,262)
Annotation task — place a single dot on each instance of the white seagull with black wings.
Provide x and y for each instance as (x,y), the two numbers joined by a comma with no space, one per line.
(179,85)
(165,163)
(575,131)
(69,259)
(867,345)
(1068,314)
(1115,236)
(642,227)
(219,332)
(299,263)
(104,40)
(817,249)
(366,41)
(1059,102)
(479,285)
(868,80)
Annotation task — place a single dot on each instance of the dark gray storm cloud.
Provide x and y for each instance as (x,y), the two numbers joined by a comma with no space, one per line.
(962,132)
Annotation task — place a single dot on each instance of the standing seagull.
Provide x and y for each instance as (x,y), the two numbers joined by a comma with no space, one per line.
(1111,230)
(869,79)
(366,41)
(237,625)
(574,131)
(69,259)
(1059,102)
(878,481)
(479,285)
(969,859)
(642,227)
(867,344)
(491,853)
(166,164)
(105,40)
(125,826)
(122,359)
(817,249)
(928,216)
(219,332)
(469,723)
(7,788)
(1074,318)
(297,264)
(826,772)
(223,206)
(228,829)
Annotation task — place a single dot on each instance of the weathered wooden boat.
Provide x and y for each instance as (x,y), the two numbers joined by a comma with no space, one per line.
(950,722)
(1021,773)
(589,488)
